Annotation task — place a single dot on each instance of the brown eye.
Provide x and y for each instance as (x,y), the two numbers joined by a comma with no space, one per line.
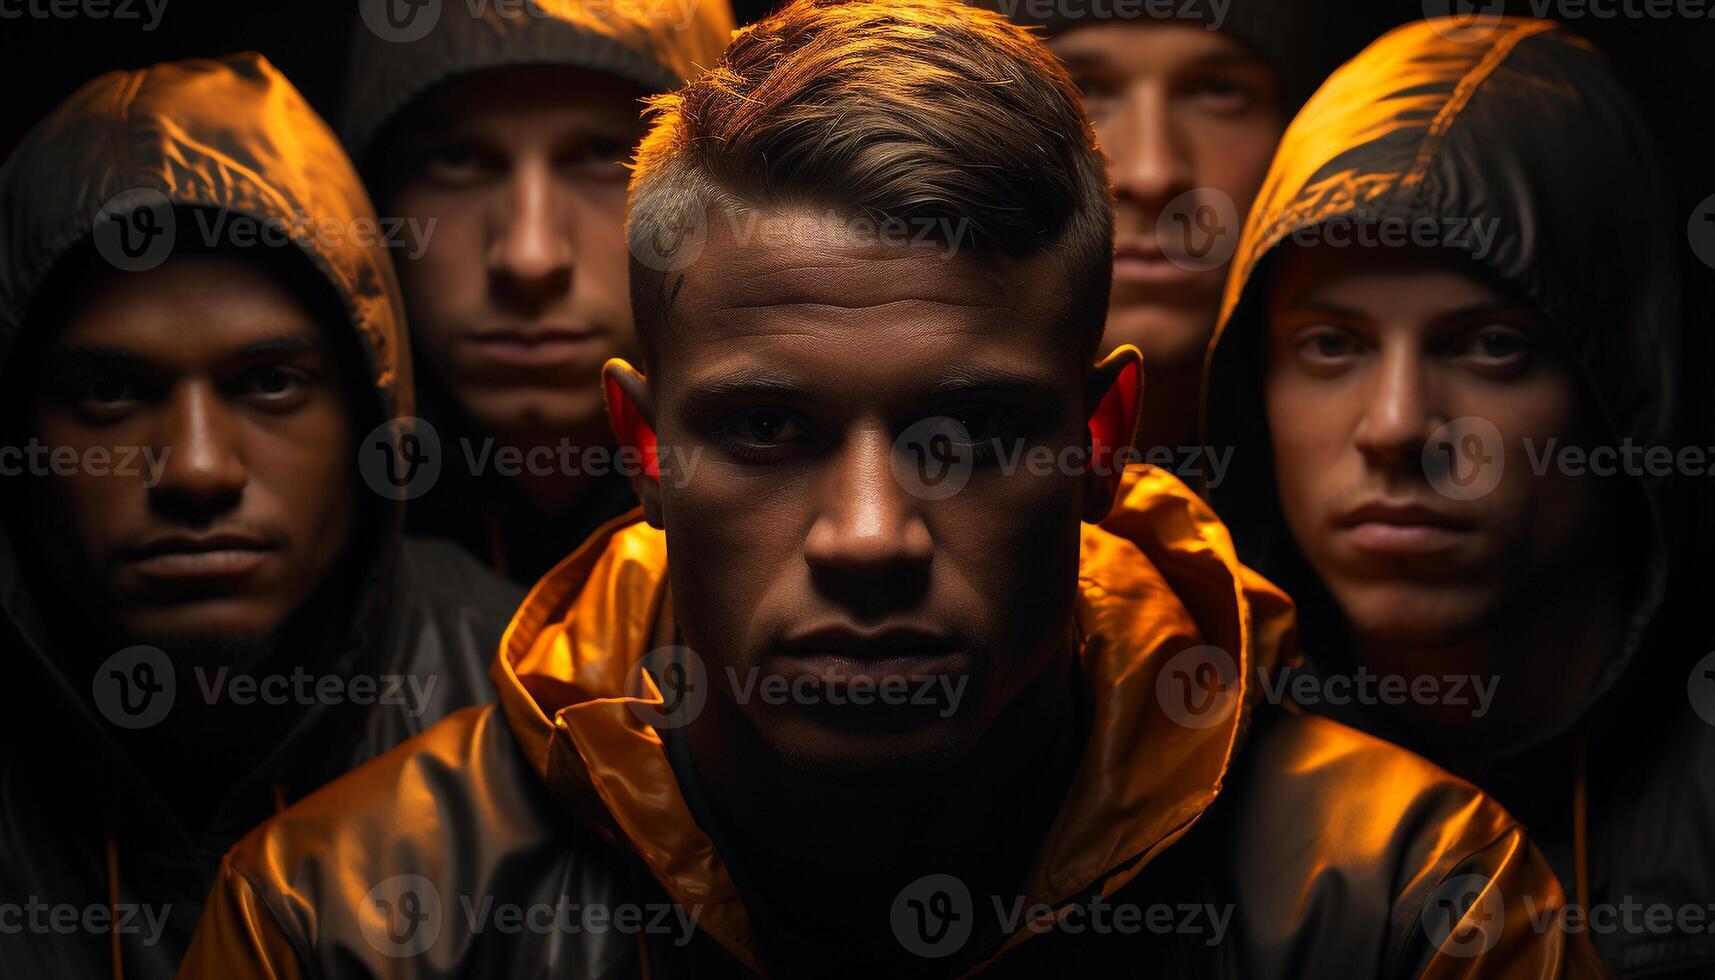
(768,426)
(1327,344)
(276,388)
(457,163)
(1499,344)
(107,391)
(1223,94)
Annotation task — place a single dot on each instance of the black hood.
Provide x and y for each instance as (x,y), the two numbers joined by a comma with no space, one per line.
(1303,40)
(157,148)
(401,49)
(1522,127)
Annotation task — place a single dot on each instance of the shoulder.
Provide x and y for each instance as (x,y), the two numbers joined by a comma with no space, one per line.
(1368,793)
(405,856)
(1352,854)
(417,810)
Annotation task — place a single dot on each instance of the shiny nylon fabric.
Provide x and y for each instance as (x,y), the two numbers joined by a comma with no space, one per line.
(595,744)
(1328,841)
(578,726)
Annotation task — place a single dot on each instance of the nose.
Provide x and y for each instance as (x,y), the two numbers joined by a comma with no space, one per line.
(531,257)
(1149,156)
(868,525)
(1400,410)
(203,470)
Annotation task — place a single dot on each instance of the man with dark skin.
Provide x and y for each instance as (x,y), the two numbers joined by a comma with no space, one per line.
(207,613)
(834,710)
(503,135)
(1457,414)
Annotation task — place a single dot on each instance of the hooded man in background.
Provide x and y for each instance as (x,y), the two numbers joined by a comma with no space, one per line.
(503,132)
(1448,366)
(826,709)
(206,613)
(1189,100)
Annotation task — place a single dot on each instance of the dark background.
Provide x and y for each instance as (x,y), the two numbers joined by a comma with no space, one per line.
(1669,64)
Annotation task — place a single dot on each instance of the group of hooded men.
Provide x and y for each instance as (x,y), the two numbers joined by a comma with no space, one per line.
(856,315)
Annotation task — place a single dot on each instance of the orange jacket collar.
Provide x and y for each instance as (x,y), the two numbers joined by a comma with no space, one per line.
(1158,579)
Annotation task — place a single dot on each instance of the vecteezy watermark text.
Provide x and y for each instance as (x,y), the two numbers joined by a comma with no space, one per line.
(147,11)
(38,916)
(35,459)
(934,917)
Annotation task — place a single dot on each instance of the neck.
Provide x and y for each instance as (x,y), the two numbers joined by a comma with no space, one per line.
(844,849)
(230,734)
(550,478)
(1537,664)
(1170,406)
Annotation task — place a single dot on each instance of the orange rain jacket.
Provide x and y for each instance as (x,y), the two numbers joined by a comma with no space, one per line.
(1335,855)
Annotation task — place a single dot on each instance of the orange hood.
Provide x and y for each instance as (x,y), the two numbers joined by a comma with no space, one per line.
(1157,578)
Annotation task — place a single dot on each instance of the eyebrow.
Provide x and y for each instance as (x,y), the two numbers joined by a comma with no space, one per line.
(92,356)
(1473,310)
(106,356)
(1224,58)
(962,381)
(971,379)
(750,383)
(283,346)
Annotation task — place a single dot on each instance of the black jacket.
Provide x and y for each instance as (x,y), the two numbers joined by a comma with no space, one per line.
(1520,126)
(86,842)
(658,48)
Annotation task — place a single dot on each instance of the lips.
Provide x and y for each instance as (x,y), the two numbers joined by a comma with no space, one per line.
(841,653)
(532,344)
(1144,274)
(190,558)
(1402,528)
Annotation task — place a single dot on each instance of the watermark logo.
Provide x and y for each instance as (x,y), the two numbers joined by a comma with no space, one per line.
(932,459)
(1199,229)
(1701,231)
(135,687)
(401,916)
(672,240)
(400,459)
(1198,687)
(1465,916)
(933,916)
(400,21)
(138,687)
(1464,20)
(1700,688)
(668,686)
(1464,458)
(135,230)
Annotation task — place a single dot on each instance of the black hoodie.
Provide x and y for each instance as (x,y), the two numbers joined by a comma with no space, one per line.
(393,65)
(86,842)
(1519,125)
